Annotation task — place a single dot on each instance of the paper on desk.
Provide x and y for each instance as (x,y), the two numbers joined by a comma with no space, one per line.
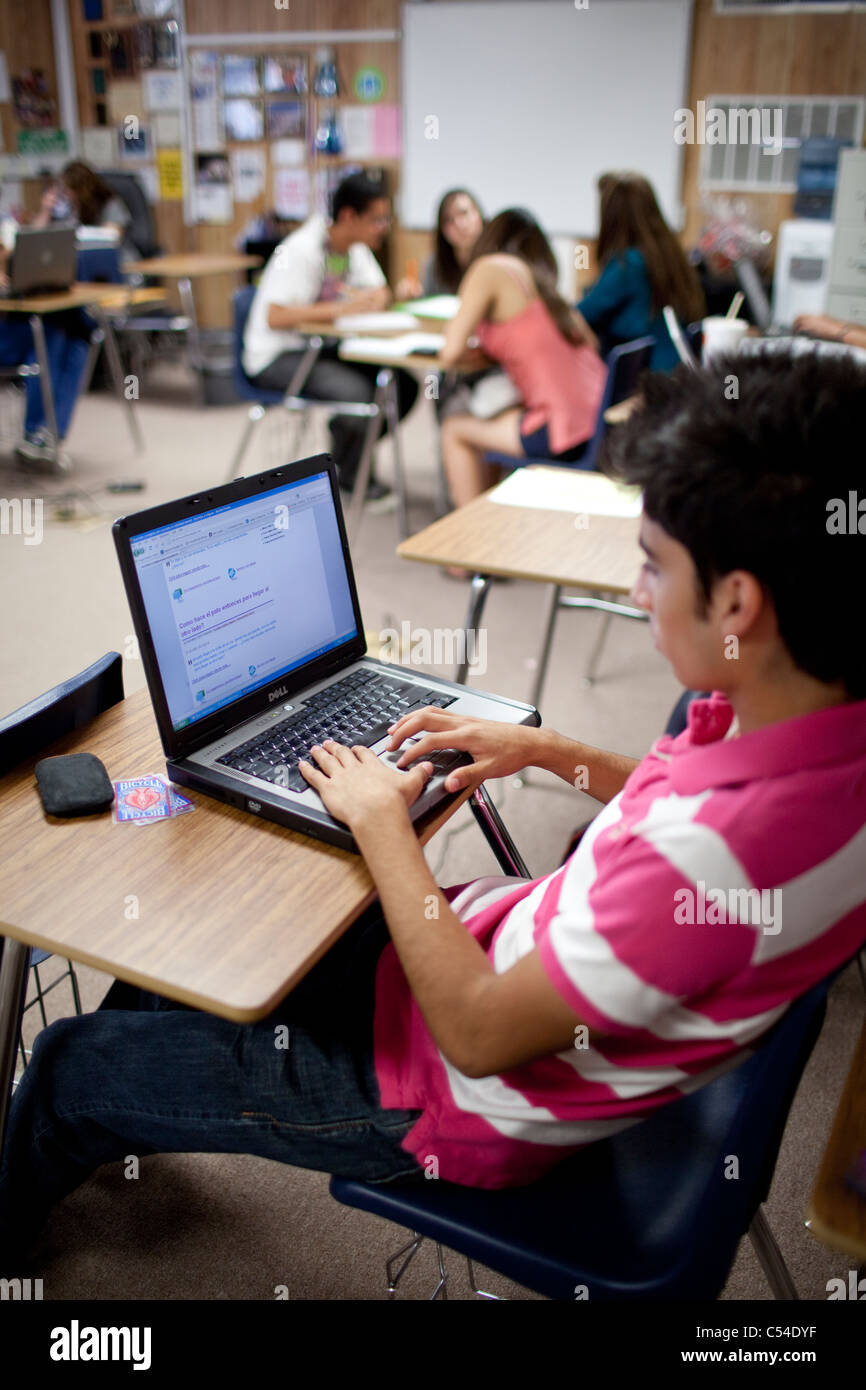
(401,346)
(376,323)
(566,490)
(437,306)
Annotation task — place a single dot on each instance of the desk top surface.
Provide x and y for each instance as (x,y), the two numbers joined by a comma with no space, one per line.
(554,547)
(191,265)
(77,297)
(215,908)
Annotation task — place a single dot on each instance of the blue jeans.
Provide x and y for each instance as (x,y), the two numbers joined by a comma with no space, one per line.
(66,345)
(144,1075)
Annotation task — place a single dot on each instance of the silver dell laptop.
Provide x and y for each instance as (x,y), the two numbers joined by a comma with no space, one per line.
(246,612)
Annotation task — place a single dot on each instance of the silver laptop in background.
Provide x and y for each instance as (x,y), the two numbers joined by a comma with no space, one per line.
(43,261)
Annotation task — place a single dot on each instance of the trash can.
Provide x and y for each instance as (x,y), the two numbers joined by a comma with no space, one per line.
(217,367)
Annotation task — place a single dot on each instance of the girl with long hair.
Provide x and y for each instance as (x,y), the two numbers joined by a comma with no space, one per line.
(643,268)
(459,222)
(509,299)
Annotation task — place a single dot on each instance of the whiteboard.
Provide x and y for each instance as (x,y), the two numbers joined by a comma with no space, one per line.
(532,101)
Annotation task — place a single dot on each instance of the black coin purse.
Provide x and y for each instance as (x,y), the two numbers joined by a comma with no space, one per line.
(74,785)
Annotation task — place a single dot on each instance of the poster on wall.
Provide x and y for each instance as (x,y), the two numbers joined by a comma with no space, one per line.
(287,120)
(169,168)
(285,74)
(35,107)
(98,146)
(249,169)
(244,119)
(213,193)
(207,124)
(134,141)
(240,75)
(292,194)
(163,91)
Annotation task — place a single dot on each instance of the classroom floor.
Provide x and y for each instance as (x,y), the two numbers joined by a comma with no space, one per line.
(234,1227)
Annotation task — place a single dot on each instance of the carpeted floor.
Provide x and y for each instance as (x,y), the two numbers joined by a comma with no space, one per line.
(213,1226)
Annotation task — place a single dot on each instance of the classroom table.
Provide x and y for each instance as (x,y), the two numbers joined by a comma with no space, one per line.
(186,267)
(547,546)
(97,299)
(214,908)
(837,1215)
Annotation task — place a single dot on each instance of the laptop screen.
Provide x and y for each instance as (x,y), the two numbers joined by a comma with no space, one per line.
(238,596)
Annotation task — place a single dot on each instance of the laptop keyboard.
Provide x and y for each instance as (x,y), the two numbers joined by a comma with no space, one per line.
(356,710)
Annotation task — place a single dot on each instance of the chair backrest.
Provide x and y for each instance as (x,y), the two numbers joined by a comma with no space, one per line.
(624,365)
(741,1115)
(68,706)
(678,338)
(141,232)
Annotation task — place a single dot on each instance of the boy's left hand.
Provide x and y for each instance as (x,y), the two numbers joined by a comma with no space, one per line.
(356,786)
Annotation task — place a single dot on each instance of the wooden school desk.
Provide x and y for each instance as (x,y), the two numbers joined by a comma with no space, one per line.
(214,908)
(523,542)
(95,298)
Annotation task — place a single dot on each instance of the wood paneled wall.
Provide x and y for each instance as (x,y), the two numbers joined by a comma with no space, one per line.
(26,40)
(772,55)
(812,54)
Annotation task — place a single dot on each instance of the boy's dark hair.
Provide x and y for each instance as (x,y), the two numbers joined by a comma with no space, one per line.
(741,463)
(358,191)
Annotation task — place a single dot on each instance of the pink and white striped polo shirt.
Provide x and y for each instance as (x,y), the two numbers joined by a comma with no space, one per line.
(726,879)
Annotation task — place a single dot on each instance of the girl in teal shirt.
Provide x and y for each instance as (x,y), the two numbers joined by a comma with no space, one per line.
(643,268)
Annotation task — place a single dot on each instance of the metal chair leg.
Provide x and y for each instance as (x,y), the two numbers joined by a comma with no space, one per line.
(496,834)
(770,1256)
(597,647)
(478,591)
(14,963)
(546,641)
(112,352)
(393,418)
(413,1246)
(480,1293)
(254,415)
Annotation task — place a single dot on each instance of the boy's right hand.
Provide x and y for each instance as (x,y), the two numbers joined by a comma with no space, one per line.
(497,750)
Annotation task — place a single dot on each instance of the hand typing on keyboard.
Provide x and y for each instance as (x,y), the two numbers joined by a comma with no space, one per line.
(357,710)
(357,787)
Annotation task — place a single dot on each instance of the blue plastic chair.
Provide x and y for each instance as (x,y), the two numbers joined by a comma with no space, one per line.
(28,730)
(262,399)
(651,1213)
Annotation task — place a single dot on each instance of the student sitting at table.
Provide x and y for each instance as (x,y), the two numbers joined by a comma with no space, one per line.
(459,224)
(508,297)
(317,274)
(81,195)
(504,1024)
(67,342)
(643,268)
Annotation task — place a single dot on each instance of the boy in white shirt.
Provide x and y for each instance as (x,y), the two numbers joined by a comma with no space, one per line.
(316,274)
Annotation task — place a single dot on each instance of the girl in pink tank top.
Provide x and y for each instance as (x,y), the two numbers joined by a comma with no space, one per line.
(508,299)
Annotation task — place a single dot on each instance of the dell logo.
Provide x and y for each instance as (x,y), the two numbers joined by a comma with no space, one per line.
(277,694)
(254,806)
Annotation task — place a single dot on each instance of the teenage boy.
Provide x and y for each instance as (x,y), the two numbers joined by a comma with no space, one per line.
(317,274)
(499,1026)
